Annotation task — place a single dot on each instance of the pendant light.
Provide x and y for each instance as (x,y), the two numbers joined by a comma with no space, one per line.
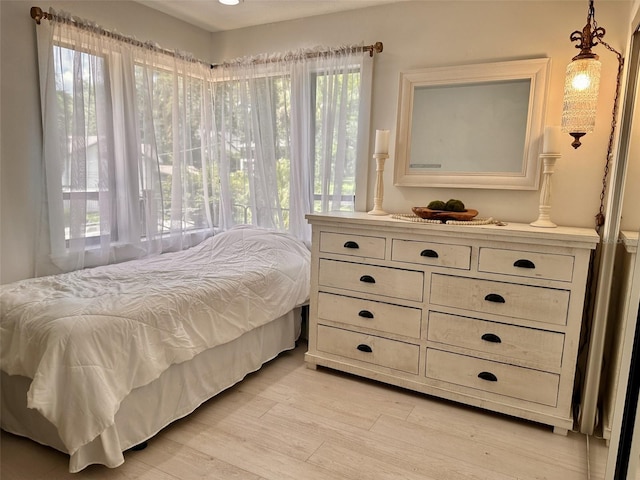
(582,81)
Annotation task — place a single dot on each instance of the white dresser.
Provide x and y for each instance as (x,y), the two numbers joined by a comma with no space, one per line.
(485,315)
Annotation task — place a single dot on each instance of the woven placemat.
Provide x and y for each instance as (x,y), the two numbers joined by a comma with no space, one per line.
(407,217)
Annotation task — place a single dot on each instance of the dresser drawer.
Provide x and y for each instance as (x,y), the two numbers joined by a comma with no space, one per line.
(537,347)
(428,253)
(365,313)
(355,245)
(500,378)
(526,264)
(546,305)
(368,348)
(385,281)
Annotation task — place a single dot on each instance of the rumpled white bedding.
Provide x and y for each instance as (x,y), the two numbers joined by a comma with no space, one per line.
(87,338)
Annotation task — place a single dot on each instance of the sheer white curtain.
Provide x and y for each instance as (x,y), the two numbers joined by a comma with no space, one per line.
(122,129)
(286,136)
(146,152)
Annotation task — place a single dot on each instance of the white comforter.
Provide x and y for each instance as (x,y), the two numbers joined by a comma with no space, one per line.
(87,338)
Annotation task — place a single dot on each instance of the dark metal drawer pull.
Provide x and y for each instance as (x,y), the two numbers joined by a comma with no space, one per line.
(367,279)
(364,348)
(491,337)
(365,314)
(523,263)
(351,244)
(488,376)
(429,253)
(492,297)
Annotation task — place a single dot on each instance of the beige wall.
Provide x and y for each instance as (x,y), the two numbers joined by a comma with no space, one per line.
(437,33)
(415,34)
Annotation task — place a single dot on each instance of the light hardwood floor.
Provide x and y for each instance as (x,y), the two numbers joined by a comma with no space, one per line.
(287,422)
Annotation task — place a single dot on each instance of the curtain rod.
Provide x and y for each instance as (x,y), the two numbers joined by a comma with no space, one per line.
(37,14)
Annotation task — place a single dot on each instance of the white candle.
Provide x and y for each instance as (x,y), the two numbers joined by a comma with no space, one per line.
(382,142)
(552,140)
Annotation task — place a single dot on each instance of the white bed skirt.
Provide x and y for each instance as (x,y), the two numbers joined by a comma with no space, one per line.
(150,408)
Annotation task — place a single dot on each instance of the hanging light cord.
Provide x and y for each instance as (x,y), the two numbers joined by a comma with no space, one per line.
(600,216)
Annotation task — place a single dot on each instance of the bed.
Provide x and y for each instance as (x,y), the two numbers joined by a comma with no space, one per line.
(97,361)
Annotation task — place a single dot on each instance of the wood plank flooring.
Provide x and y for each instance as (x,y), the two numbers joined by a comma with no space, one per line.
(287,422)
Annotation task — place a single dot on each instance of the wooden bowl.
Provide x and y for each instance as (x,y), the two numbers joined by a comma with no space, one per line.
(444,215)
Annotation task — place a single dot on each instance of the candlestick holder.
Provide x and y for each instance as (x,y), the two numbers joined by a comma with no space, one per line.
(544,220)
(379,194)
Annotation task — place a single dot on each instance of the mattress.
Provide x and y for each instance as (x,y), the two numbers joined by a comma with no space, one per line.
(86,339)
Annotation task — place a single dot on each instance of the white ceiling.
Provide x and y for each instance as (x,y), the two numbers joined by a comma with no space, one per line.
(214,17)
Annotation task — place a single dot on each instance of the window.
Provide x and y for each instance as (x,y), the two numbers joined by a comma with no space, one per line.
(253,118)
(147,153)
(83,106)
(283,129)
(171,145)
(336,142)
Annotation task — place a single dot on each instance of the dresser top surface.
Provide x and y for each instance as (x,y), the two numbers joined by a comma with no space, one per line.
(579,237)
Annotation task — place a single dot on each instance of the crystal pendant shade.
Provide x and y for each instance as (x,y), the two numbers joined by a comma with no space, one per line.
(581,86)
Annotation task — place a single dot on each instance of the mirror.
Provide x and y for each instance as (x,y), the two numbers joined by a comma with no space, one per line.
(471,126)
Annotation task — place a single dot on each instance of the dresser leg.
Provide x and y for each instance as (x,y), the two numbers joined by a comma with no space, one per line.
(312,366)
(560,431)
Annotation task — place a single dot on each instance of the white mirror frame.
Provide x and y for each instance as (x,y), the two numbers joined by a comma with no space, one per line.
(534,70)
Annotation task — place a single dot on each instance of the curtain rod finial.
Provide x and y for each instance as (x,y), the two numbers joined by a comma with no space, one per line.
(36,14)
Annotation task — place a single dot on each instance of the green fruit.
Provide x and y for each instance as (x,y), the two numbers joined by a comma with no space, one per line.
(436,205)
(454,205)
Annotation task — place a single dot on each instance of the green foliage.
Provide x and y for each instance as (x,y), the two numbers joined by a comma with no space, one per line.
(334,169)
(454,205)
(437,205)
